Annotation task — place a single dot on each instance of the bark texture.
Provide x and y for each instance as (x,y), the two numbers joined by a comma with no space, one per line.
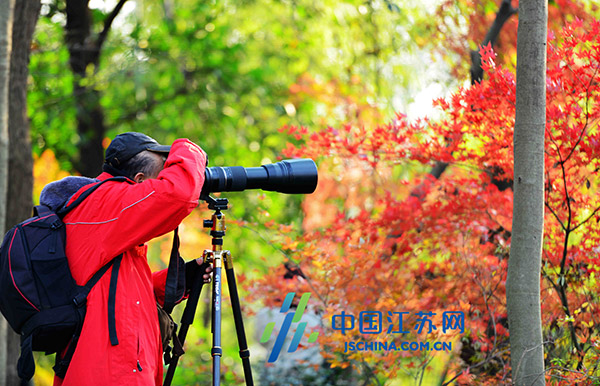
(6,17)
(20,163)
(523,282)
(85,50)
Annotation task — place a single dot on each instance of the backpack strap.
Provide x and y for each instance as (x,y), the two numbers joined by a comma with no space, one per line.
(62,364)
(81,297)
(26,363)
(112,294)
(175,282)
(41,210)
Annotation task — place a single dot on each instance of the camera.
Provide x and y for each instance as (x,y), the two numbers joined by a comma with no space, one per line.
(292,176)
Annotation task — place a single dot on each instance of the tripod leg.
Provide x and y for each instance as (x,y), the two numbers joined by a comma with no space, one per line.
(187,318)
(237,316)
(216,351)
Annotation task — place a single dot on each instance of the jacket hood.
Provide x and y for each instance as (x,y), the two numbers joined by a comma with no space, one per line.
(56,194)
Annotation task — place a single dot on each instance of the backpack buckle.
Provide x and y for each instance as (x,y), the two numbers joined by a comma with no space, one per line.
(80,299)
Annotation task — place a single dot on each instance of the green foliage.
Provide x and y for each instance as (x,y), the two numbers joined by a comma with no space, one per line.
(220,73)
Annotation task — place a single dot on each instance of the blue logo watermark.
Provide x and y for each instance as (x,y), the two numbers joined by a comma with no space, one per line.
(292,317)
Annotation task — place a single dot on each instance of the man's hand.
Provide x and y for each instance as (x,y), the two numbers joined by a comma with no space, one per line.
(208,272)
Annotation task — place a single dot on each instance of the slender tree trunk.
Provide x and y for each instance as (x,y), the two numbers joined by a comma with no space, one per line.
(6,18)
(20,164)
(84,55)
(523,282)
(85,50)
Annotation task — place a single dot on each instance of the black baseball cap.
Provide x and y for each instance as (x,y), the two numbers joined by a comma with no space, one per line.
(124,146)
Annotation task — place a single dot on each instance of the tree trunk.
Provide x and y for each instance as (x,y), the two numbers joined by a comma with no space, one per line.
(90,117)
(84,51)
(523,282)
(6,18)
(20,163)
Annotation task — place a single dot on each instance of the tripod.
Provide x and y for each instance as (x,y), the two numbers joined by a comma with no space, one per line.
(216,257)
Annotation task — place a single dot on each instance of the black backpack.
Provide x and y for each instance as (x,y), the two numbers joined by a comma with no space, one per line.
(38,295)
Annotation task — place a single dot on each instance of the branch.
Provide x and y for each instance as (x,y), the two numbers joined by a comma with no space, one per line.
(569,217)
(504,13)
(587,219)
(107,24)
(556,216)
(549,189)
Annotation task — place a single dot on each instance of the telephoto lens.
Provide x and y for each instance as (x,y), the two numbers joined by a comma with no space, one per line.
(292,176)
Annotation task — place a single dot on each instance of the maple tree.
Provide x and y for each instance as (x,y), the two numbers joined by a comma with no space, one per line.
(405,241)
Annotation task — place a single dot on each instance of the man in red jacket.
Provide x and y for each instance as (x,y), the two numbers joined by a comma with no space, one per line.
(120,217)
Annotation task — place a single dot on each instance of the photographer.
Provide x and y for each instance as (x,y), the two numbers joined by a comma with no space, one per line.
(163,187)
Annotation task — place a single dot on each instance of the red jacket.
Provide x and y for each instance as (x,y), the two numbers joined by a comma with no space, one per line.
(120,217)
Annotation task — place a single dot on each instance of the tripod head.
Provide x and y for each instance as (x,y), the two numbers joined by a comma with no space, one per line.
(217,221)
(217,204)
